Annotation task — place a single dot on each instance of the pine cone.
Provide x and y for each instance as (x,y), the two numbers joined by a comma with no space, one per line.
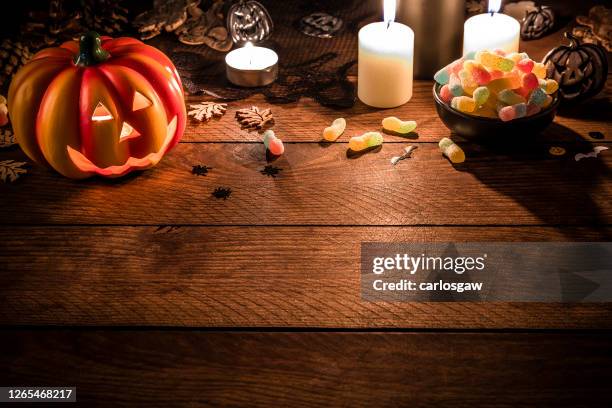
(12,56)
(52,26)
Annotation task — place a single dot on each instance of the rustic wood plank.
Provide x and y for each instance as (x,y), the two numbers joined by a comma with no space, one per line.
(245,277)
(306,119)
(320,185)
(313,369)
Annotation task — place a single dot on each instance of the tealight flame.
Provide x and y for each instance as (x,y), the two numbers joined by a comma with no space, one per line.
(248,44)
(494,6)
(389,11)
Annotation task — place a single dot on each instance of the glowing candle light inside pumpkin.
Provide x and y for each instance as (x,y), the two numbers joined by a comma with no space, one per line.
(386,51)
(491,31)
(251,66)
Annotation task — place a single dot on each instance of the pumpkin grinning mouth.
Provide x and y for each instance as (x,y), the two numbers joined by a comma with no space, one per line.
(84,164)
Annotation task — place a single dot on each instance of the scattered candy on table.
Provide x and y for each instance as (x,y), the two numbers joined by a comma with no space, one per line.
(272,143)
(496,85)
(453,152)
(365,141)
(407,152)
(333,132)
(396,125)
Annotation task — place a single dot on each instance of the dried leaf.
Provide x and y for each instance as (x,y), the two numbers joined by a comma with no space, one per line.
(11,170)
(7,138)
(206,110)
(254,118)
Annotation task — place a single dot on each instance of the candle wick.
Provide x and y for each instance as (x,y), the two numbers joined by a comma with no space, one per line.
(492,13)
(388,24)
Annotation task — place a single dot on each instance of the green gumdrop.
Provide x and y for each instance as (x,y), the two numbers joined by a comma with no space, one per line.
(506,65)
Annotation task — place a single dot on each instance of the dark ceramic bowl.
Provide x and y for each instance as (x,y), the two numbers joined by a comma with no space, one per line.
(475,127)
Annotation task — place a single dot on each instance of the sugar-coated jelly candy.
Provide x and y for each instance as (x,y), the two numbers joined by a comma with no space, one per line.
(539,70)
(525,65)
(537,97)
(443,76)
(517,56)
(498,85)
(499,52)
(548,101)
(496,74)
(367,140)
(530,81)
(481,95)
(479,73)
(272,143)
(463,104)
(494,61)
(517,111)
(453,152)
(485,111)
(509,97)
(533,109)
(396,125)
(550,86)
(467,82)
(331,133)
(445,93)
(454,84)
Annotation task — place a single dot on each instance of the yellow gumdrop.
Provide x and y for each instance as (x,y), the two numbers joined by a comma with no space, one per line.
(449,149)
(365,141)
(463,104)
(397,125)
(333,132)
(539,70)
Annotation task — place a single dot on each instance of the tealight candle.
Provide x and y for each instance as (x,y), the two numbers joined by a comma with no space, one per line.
(251,66)
(386,51)
(491,31)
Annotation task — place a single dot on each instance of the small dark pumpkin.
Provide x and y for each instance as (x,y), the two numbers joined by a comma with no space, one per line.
(248,20)
(580,69)
(537,23)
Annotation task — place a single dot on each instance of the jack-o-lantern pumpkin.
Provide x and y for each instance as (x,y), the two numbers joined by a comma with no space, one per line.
(97,106)
(580,69)
(249,21)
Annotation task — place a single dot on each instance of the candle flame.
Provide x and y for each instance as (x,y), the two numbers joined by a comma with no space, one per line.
(389,11)
(494,6)
(248,44)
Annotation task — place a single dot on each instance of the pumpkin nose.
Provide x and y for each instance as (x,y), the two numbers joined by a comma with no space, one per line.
(127,132)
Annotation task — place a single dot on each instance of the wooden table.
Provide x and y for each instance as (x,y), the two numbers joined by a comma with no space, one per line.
(148,290)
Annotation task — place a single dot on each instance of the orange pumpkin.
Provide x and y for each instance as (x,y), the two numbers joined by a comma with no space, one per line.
(99,106)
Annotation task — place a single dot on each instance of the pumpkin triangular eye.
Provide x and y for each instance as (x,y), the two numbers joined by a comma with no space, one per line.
(101,113)
(140,101)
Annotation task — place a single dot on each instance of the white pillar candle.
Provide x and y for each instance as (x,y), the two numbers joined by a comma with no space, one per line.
(491,31)
(386,53)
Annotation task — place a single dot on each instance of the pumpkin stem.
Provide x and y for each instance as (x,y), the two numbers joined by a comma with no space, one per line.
(574,42)
(90,50)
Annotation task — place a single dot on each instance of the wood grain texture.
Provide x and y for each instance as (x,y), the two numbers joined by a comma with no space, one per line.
(320,185)
(196,369)
(305,120)
(245,277)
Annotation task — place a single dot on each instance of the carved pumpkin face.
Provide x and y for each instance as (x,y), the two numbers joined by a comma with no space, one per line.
(537,23)
(106,108)
(580,69)
(249,21)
